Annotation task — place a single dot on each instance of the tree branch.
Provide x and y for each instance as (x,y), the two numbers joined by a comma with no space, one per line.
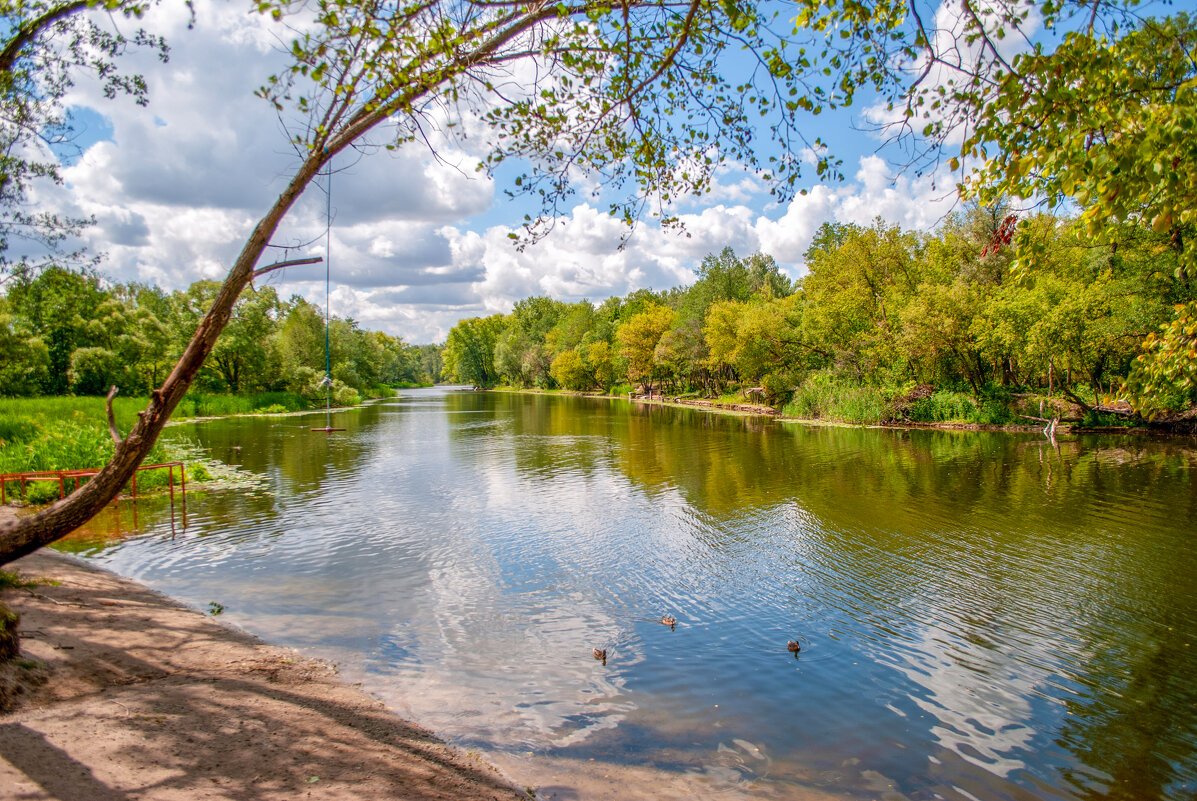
(278,265)
(112,429)
(26,33)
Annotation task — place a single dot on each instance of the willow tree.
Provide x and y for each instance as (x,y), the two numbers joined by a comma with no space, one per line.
(647,97)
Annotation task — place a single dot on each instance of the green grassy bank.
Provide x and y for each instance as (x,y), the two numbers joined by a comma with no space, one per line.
(824,398)
(71,433)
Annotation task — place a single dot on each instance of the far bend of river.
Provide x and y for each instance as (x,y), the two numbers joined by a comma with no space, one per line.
(982,616)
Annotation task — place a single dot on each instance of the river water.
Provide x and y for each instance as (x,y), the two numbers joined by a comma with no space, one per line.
(981,616)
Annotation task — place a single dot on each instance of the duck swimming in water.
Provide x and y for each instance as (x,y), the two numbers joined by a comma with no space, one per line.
(669,620)
(793,646)
(601,653)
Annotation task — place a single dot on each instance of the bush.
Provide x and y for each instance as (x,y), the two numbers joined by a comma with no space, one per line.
(274,408)
(823,396)
(94,370)
(943,406)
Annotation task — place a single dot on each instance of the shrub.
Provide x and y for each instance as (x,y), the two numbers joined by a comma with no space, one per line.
(823,396)
(943,407)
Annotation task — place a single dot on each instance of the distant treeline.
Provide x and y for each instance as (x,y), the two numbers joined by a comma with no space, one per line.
(67,332)
(883,314)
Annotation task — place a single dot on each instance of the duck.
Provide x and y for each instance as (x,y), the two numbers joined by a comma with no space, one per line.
(668,620)
(601,653)
(793,646)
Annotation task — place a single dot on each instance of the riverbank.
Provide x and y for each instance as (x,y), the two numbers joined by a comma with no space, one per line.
(143,698)
(658,400)
(761,410)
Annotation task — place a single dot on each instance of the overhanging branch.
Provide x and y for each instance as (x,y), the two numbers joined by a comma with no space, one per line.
(278,265)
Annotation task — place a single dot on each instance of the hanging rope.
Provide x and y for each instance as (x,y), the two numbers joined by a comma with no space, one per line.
(328,379)
(327,289)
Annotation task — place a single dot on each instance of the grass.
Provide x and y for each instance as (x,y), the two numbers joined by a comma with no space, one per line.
(945,406)
(71,433)
(68,444)
(52,409)
(195,405)
(822,396)
(11,580)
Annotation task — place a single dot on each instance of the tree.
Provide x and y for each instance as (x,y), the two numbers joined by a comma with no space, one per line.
(43,46)
(638,339)
(238,361)
(570,371)
(470,350)
(55,305)
(24,359)
(431,360)
(627,94)
(1098,111)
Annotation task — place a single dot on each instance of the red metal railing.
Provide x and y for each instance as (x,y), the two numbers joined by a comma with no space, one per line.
(61,477)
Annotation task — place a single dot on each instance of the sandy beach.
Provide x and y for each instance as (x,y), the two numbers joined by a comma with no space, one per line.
(126,694)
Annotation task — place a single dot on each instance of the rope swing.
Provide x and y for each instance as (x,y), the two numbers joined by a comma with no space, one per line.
(327,382)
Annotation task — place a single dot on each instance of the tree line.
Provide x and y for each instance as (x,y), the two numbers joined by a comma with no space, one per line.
(649,100)
(71,332)
(879,307)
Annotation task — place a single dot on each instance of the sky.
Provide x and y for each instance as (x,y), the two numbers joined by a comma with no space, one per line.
(418,241)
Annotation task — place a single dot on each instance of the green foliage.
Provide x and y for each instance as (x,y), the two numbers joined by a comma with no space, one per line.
(63,331)
(470,350)
(944,406)
(197,405)
(824,396)
(570,371)
(44,47)
(881,308)
(17,430)
(1165,375)
(72,444)
(638,339)
(71,433)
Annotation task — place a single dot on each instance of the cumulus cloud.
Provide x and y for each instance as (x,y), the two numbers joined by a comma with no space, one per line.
(961,52)
(177,188)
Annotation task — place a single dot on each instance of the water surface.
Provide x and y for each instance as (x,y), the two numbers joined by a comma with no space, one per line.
(982,616)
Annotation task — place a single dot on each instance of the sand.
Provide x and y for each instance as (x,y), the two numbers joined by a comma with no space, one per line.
(142,698)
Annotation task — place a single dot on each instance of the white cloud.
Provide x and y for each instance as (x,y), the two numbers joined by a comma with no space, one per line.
(180,185)
(950,33)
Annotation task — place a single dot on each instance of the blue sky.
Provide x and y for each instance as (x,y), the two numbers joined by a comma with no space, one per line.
(418,243)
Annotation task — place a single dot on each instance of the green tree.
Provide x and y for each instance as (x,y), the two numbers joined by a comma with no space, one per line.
(857,282)
(1098,113)
(55,305)
(470,350)
(571,371)
(239,360)
(24,358)
(431,360)
(638,338)
(43,47)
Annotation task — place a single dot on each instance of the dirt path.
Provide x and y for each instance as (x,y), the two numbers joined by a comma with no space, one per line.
(147,699)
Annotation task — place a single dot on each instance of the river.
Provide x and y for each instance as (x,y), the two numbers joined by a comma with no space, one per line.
(980,615)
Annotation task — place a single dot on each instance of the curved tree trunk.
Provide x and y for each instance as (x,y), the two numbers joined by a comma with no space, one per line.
(27,534)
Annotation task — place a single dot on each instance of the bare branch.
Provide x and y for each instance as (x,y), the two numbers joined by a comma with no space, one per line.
(112,429)
(278,265)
